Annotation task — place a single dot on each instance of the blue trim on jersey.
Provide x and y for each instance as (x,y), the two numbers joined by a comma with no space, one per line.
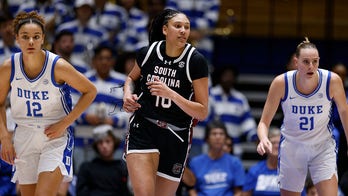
(52,72)
(282,138)
(328,86)
(320,74)
(12,67)
(68,151)
(286,87)
(42,70)
(64,89)
(66,98)
(331,126)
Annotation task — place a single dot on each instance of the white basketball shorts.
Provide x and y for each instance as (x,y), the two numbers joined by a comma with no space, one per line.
(36,154)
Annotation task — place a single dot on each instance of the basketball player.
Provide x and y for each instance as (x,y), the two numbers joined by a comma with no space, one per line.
(173,90)
(41,109)
(307,143)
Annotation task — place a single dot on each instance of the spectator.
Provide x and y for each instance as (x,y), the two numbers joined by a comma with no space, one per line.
(228,146)
(8,45)
(109,85)
(110,16)
(106,107)
(103,175)
(217,172)
(135,34)
(63,45)
(203,15)
(261,178)
(125,62)
(232,107)
(87,35)
(155,7)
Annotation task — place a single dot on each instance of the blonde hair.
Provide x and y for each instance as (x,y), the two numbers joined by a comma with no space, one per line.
(304,44)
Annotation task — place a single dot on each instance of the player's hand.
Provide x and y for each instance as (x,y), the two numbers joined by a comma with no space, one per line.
(8,153)
(265,146)
(55,130)
(130,102)
(158,88)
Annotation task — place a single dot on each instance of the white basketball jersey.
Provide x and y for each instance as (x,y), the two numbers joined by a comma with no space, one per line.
(38,102)
(307,117)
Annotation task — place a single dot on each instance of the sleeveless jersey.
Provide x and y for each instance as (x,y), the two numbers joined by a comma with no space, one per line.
(307,117)
(38,102)
(177,73)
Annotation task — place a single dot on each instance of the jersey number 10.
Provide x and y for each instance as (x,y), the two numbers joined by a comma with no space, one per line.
(165,103)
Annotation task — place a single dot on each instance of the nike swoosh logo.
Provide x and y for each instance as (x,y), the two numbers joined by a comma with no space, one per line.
(292,97)
(19,78)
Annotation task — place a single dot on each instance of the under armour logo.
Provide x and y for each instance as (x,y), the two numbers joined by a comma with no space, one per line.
(169,62)
(136,125)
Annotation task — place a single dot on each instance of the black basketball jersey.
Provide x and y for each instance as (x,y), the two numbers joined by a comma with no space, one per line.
(177,73)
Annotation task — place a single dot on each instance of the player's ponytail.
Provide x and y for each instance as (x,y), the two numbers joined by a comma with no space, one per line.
(304,44)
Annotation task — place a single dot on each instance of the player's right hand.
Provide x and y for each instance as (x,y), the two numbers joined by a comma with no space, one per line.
(8,153)
(265,146)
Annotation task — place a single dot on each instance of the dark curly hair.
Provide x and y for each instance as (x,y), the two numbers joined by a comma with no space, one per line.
(24,18)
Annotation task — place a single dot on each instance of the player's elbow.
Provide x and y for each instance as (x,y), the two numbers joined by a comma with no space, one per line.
(93,91)
(202,114)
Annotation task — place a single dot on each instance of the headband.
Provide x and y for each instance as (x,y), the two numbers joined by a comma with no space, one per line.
(29,20)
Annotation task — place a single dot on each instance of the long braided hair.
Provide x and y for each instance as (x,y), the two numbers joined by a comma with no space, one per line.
(155,32)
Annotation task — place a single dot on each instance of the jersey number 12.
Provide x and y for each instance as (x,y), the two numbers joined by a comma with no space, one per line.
(33,109)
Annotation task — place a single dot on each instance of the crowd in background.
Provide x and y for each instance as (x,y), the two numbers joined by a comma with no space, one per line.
(100,39)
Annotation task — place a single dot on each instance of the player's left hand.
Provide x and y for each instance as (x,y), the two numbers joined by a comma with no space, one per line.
(158,88)
(55,130)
